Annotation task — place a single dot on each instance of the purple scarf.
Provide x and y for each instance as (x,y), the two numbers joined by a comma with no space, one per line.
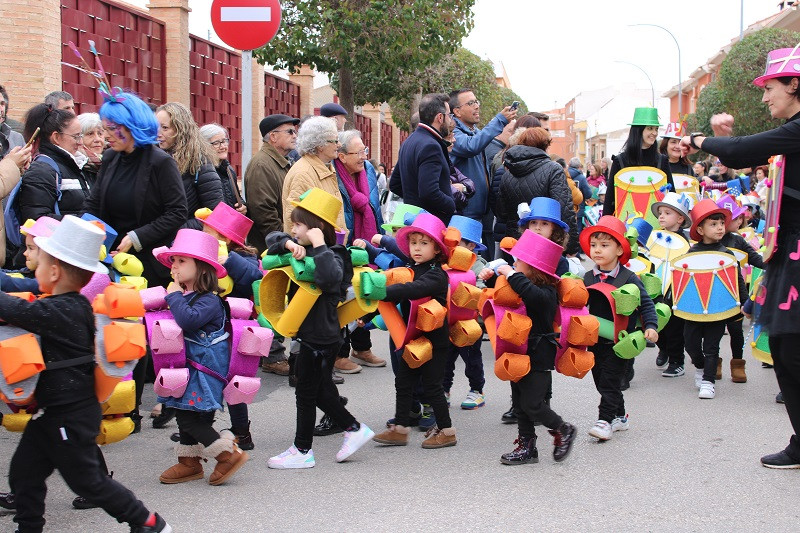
(364,224)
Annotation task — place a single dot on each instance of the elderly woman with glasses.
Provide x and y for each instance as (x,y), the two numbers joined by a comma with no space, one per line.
(93,143)
(217,137)
(317,144)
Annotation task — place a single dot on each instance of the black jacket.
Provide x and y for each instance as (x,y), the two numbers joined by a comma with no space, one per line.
(37,193)
(429,280)
(541,304)
(646,311)
(230,187)
(531,173)
(203,189)
(734,240)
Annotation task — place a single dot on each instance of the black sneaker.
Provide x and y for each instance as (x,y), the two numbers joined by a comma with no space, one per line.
(167,414)
(780,460)
(413,417)
(779,398)
(662,360)
(326,427)
(175,437)
(563,438)
(160,527)
(82,503)
(509,417)
(765,365)
(137,421)
(7,501)
(673,371)
(525,452)
(337,379)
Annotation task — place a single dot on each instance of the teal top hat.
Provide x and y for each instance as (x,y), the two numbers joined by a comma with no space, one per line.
(399,217)
(541,208)
(470,230)
(645,116)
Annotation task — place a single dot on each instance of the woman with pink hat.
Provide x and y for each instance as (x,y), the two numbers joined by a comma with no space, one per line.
(534,278)
(202,316)
(781,308)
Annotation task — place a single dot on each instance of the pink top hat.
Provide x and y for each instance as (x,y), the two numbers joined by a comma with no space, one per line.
(539,252)
(43,227)
(192,243)
(780,62)
(423,223)
(229,223)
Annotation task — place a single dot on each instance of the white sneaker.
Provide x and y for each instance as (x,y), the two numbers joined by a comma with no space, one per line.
(292,458)
(620,423)
(601,430)
(353,440)
(473,400)
(698,377)
(706,390)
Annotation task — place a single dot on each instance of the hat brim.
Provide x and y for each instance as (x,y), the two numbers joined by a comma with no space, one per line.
(402,239)
(165,258)
(693,230)
(656,125)
(65,254)
(586,236)
(390,226)
(687,219)
(221,231)
(762,80)
(329,221)
(530,262)
(294,121)
(524,221)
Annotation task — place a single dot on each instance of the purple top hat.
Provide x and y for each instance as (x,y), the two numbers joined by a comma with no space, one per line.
(192,243)
(539,252)
(781,62)
(729,202)
(423,223)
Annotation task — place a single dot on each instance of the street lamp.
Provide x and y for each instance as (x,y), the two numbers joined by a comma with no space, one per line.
(652,90)
(680,78)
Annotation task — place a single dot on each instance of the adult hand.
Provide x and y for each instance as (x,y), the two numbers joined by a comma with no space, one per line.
(509,113)
(241,208)
(316,237)
(707,180)
(722,125)
(686,146)
(124,245)
(298,252)
(651,335)
(360,243)
(20,156)
(507,131)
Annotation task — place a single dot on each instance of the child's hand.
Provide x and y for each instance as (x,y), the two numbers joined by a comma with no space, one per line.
(486,273)
(376,239)
(173,287)
(651,335)
(749,316)
(360,243)
(298,252)
(316,237)
(505,270)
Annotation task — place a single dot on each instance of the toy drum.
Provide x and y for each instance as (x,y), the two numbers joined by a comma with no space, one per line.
(664,247)
(635,190)
(705,286)
(687,185)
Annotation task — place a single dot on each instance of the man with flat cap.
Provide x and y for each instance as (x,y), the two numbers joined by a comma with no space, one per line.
(336,112)
(263,186)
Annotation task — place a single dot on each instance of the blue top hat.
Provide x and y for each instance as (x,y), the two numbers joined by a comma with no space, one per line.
(111,235)
(542,208)
(470,229)
(643,227)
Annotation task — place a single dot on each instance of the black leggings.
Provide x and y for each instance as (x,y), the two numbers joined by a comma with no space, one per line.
(530,395)
(196,426)
(737,337)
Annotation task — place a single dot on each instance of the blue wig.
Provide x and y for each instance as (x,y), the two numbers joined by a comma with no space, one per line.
(131,112)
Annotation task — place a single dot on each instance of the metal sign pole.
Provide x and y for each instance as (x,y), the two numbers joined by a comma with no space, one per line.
(247,111)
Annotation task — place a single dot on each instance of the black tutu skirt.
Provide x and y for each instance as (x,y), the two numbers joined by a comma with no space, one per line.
(780,312)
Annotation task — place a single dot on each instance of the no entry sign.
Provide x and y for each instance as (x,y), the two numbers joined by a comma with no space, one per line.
(246,24)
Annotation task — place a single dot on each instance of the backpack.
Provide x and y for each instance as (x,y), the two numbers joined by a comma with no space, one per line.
(11,213)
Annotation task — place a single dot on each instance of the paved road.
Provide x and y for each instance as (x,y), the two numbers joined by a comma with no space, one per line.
(685,465)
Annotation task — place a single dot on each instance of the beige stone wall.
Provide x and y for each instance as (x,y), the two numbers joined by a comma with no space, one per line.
(175,15)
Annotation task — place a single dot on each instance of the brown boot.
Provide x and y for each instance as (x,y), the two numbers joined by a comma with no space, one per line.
(439,438)
(719,368)
(367,358)
(738,375)
(393,436)
(188,467)
(229,458)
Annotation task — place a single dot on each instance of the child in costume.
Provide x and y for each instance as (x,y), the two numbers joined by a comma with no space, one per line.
(228,225)
(423,242)
(25,280)
(473,360)
(733,239)
(673,215)
(533,277)
(203,317)
(607,247)
(62,434)
(319,336)
(709,225)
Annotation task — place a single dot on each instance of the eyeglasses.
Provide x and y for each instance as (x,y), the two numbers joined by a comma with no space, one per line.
(290,131)
(470,103)
(364,152)
(76,136)
(216,144)
(335,141)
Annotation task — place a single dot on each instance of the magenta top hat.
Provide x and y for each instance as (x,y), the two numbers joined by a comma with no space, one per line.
(43,227)
(542,208)
(539,252)
(728,202)
(229,223)
(192,243)
(425,223)
(781,62)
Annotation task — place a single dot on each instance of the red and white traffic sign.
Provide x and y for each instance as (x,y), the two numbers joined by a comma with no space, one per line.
(246,24)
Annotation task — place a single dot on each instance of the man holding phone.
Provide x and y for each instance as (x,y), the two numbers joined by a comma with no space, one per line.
(468,154)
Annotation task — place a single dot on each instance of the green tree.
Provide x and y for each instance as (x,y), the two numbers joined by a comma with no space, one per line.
(376,40)
(733,91)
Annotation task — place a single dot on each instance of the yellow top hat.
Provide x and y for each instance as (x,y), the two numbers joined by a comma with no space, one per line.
(323,204)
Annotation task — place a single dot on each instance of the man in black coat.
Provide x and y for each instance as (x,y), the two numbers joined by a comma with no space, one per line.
(422,173)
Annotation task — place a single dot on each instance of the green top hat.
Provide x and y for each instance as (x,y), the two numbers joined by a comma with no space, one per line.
(399,217)
(645,116)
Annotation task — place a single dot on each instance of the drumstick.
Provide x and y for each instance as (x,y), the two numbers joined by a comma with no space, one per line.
(33,138)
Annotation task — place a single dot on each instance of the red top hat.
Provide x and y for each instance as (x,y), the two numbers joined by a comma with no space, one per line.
(701,211)
(229,223)
(614,227)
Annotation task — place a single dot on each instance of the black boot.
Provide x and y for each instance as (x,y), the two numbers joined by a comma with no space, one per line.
(137,421)
(563,438)
(243,437)
(167,414)
(7,501)
(82,503)
(509,417)
(525,452)
(326,424)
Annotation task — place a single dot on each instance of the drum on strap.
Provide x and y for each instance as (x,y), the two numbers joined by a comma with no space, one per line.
(705,286)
